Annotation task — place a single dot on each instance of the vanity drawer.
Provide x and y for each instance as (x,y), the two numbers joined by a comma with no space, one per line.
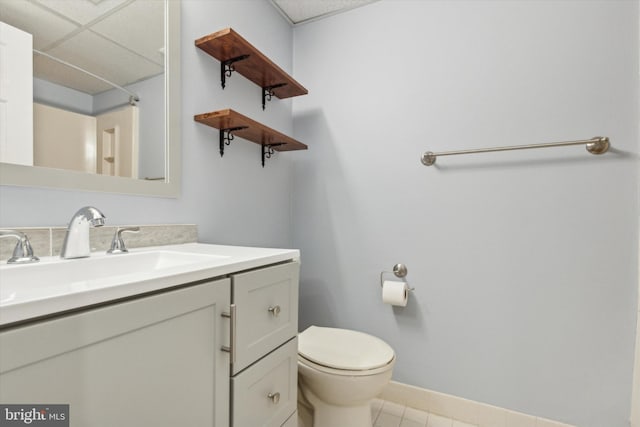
(266,311)
(265,394)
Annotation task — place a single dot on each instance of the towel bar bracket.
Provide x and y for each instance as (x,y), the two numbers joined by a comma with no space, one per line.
(599,145)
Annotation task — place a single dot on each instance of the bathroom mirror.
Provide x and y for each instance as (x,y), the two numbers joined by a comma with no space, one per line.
(165,178)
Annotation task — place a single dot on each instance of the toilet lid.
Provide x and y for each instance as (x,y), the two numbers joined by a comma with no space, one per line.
(343,349)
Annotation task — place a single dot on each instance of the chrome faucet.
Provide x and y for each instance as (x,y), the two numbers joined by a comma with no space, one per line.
(22,253)
(76,241)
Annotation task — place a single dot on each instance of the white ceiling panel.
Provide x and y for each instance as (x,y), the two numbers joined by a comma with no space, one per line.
(81,11)
(139,26)
(46,27)
(112,62)
(47,69)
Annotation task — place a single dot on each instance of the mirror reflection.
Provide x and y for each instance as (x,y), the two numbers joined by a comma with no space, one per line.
(88,77)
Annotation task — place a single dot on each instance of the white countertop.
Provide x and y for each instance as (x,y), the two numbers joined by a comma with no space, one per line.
(54,285)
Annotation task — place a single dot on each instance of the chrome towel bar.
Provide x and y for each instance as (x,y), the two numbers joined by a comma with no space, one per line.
(595,145)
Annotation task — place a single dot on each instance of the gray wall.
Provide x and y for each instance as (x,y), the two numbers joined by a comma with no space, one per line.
(55,95)
(233,200)
(524,263)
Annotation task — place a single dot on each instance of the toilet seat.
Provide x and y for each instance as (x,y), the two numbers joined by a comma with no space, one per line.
(344,372)
(343,352)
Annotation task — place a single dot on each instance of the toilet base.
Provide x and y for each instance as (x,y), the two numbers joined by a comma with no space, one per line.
(325,415)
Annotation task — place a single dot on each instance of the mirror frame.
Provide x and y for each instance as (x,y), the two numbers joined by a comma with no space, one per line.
(34,176)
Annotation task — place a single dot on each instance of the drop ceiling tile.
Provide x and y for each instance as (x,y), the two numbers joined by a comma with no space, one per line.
(46,27)
(47,69)
(81,11)
(105,58)
(139,26)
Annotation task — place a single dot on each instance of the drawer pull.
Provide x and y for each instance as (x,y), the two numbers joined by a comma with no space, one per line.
(232,345)
(275,397)
(275,311)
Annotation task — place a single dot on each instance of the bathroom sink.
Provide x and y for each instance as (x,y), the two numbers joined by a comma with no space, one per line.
(91,272)
(54,285)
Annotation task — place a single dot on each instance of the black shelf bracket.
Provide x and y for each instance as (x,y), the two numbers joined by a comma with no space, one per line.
(227,68)
(226,136)
(268,151)
(267,93)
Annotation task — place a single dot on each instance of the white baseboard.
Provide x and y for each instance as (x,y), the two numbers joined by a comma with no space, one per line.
(464,410)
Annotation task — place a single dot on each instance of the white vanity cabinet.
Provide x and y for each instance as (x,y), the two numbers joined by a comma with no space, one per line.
(152,361)
(158,360)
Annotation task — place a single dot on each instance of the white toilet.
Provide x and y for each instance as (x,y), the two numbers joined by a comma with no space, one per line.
(339,373)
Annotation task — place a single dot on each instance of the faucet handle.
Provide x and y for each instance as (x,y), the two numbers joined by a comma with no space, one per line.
(117,244)
(23,252)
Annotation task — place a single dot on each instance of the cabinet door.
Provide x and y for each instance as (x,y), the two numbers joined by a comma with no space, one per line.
(153,361)
(267,311)
(265,394)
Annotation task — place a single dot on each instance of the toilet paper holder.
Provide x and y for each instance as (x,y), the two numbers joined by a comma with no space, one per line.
(400,271)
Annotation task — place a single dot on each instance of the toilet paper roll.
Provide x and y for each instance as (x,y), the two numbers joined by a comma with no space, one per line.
(395,293)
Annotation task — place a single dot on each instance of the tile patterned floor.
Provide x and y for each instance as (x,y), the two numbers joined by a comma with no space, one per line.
(389,414)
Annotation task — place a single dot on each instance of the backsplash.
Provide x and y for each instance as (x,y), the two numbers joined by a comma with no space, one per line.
(47,241)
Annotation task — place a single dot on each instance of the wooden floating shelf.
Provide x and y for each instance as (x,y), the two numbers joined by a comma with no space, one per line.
(237,54)
(231,123)
(253,131)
